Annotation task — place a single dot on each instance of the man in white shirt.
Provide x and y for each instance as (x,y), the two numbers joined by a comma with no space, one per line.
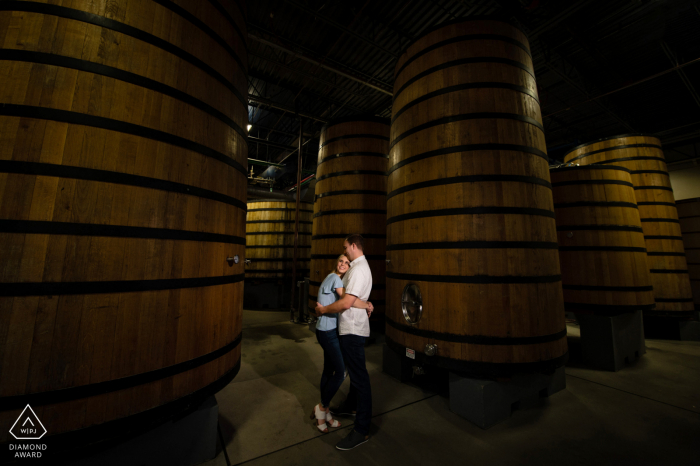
(353,327)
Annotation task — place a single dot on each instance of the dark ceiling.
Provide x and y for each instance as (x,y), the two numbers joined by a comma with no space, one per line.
(603,67)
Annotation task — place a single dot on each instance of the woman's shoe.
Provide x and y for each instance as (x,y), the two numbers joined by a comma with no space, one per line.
(329,419)
(320,415)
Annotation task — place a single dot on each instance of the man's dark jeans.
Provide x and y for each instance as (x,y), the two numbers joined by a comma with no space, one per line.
(333,367)
(360,394)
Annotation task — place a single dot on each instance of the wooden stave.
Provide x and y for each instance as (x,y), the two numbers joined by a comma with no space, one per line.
(439,34)
(689,216)
(578,265)
(224,34)
(263,267)
(363,193)
(213,93)
(215,192)
(531,146)
(672,290)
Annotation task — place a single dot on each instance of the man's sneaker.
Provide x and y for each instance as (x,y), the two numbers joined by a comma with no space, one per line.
(343,410)
(354,439)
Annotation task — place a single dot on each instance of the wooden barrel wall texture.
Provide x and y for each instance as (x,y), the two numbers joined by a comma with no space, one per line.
(351,198)
(601,243)
(689,216)
(270,239)
(657,209)
(470,217)
(122,184)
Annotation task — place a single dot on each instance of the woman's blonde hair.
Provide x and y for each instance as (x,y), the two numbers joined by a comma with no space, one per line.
(335,269)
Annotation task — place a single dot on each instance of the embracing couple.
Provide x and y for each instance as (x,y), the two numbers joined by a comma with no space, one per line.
(341,330)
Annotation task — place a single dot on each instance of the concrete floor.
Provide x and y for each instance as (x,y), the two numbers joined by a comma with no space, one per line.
(647,413)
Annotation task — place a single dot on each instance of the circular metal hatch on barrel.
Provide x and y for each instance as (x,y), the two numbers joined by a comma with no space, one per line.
(412,303)
(470,218)
(124,180)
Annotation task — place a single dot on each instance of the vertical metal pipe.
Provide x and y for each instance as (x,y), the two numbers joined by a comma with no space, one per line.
(296,226)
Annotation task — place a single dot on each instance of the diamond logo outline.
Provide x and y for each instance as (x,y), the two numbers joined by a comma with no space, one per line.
(38,420)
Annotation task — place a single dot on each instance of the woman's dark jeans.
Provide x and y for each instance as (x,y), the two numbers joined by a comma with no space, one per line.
(333,366)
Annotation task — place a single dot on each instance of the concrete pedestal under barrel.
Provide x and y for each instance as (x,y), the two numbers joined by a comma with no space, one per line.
(123,177)
(644,157)
(605,276)
(351,198)
(473,282)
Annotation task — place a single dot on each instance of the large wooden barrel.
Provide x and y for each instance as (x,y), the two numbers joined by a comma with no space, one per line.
(351,198)
(122,186)
(665,253)
(470,211)
(689,216)
(601,243)
(270,239)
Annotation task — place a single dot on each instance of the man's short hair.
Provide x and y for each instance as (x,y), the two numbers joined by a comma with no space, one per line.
(357,240)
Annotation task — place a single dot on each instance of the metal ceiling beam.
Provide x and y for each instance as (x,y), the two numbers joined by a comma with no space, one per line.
(571,83)
(264,163)
(268,102)
(276,145)
(337,25)
(290,88)
(566,126)
(515,8)
(305,74)
(385,90)
(271,111)
(282,157)
(587,44)
(687,139)
(649,78)
(392,29)
(573,8)
(267,128)
(681,74)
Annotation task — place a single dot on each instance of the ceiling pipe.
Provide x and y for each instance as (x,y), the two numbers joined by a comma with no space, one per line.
(303,182)
(264,163)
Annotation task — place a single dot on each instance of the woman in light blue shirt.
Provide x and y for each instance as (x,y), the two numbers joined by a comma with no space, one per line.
(330,291)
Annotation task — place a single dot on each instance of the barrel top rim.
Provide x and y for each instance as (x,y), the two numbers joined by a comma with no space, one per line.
(500,18)
(356,118)
(627,135)
(590,167)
